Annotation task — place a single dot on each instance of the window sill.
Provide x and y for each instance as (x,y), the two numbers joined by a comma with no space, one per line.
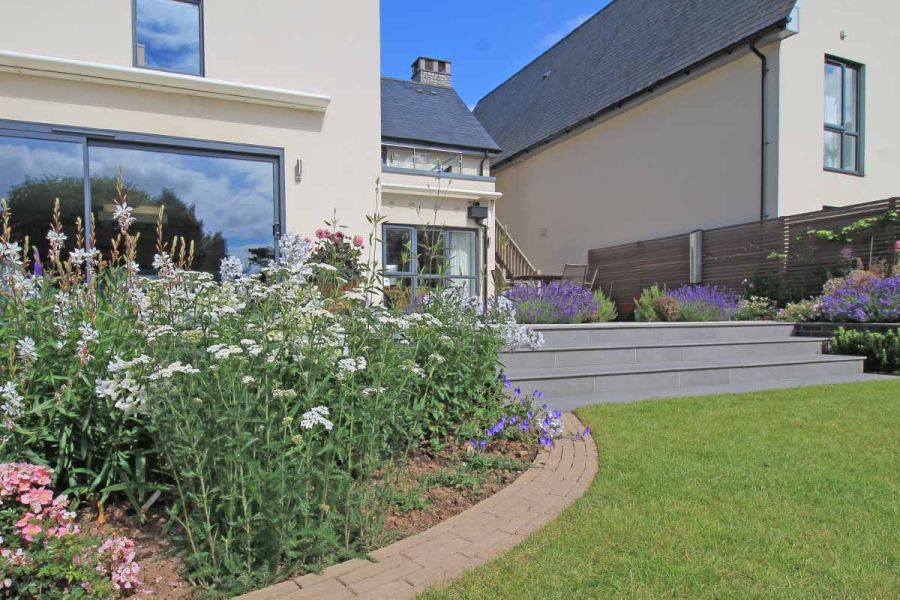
(844,172)
(159,81)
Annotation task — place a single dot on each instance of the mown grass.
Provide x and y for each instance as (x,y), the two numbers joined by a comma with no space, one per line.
(785,494)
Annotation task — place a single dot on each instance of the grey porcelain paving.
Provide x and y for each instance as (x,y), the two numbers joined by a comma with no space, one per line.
(568,403)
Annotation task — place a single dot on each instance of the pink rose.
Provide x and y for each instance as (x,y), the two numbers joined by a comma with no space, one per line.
(322,233)
(358,241)
(338,235)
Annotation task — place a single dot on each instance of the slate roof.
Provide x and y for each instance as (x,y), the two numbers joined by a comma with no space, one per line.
(624,49)
(421,113)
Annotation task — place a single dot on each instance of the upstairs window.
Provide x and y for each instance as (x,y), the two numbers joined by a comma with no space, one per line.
(168,35)
(843,116)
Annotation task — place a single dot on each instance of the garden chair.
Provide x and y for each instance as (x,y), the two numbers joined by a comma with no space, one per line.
(579,274)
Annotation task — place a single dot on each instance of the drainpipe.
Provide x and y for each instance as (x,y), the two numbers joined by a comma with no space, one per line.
(764,142)
(484,160)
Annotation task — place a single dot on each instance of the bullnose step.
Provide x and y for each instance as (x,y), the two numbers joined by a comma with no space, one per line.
(660,352)
(611,334)
(596,378)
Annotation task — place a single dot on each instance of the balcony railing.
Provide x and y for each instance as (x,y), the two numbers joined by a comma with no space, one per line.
(418,159)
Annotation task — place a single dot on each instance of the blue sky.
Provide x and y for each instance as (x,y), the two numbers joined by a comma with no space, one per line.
(487,40)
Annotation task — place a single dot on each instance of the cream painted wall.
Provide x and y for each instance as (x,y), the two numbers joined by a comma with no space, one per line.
(873,39)
(687,159)
(325,47)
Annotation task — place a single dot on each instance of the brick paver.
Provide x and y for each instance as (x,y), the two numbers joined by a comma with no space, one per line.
(406,568)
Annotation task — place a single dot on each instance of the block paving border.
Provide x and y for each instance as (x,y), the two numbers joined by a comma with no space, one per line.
(558,477)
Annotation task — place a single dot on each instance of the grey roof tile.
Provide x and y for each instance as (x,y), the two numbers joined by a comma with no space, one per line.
(418,112)
(622,50)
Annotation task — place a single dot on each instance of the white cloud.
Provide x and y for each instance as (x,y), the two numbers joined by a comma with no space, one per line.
(560,32)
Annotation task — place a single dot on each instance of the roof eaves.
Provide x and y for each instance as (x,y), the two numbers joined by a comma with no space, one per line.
(619,104)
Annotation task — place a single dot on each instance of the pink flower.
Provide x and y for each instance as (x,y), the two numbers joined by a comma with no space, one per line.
(37,499)
(322,233)
(358,241)
(338,236)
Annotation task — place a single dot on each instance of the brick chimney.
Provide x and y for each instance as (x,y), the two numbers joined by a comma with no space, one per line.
(432,70)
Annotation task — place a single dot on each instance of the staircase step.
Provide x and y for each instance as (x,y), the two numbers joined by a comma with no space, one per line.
(634,334)
(657,352)
(597,378)
(569,403)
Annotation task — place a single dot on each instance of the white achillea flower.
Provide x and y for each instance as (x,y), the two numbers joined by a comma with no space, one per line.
(231,269)
(248,380)
(437,358)
(284,394)
(373,391)
(413,368)
(348,366)
(293,249)
(26,350)
(175,367)
(316,416)
(222,351)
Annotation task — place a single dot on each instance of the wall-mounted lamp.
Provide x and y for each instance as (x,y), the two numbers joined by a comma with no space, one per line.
(844,34)
(298,171)
(478,212)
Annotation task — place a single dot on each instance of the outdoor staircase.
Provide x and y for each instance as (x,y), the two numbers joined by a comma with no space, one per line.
(622,362)
(511,260)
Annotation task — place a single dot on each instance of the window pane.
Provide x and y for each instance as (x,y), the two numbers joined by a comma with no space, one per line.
(168,35)
(33,174)
(849,153)
(463,253)
(470,285)
(439,162)
(398,250)
(431,252)
(832,150)
(226,206)
(833,108)
(851,93)
(398,291)
(402,159)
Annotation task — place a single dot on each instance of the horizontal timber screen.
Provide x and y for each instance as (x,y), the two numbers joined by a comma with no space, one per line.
(776,250)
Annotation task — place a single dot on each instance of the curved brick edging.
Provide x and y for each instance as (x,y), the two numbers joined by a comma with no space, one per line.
(557,478)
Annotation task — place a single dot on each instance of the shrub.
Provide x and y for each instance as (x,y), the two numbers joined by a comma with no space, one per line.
(606,308)
(705,303)
(556,302)
(45,554)
(882,350)
(801,312)
(646,307)
(862,297)
(756,308)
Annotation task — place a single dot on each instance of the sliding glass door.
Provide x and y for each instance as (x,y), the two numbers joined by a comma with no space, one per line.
(223,202)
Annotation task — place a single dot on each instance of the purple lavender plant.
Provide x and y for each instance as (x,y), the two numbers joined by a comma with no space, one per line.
(864,300)
(705,302)
(557,302)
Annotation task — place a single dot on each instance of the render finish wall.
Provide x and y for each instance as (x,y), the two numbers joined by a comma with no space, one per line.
(872,37)
(324,47)
(685,160)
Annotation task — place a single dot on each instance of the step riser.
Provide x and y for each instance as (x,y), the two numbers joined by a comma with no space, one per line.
(575,386)
(625,356)
(640,336)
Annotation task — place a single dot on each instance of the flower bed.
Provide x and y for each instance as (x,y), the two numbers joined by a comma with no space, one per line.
(560,302)
(690,303)
(258,407)
(863,296)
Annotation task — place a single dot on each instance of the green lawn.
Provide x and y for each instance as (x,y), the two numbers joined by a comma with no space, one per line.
(786,494)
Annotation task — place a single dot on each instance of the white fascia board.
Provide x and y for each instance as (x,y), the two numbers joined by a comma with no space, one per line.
(446,192)
(159,81)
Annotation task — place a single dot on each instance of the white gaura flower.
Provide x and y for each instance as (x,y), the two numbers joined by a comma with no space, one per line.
(12,406)
(10,251)
(316,416)
(56,237)
(231,269)
(123,216)
(26,350)
(80,256)
(88,335)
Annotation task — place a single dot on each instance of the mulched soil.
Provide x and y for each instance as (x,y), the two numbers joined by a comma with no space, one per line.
(444,502)
(441,485)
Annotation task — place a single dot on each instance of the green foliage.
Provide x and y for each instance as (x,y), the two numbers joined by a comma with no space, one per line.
(458,477)
(802,311)
(756,308)
(606,308)
(264,405)
(407,501)
(847,234)
(646,307)
(882,350)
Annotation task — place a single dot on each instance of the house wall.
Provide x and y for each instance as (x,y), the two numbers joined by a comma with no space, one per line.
(872,39)
(323,47)
(688,158)
(439,201)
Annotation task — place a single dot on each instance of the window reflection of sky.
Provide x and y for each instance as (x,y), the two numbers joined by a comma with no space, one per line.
(231,196)
(169,31)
